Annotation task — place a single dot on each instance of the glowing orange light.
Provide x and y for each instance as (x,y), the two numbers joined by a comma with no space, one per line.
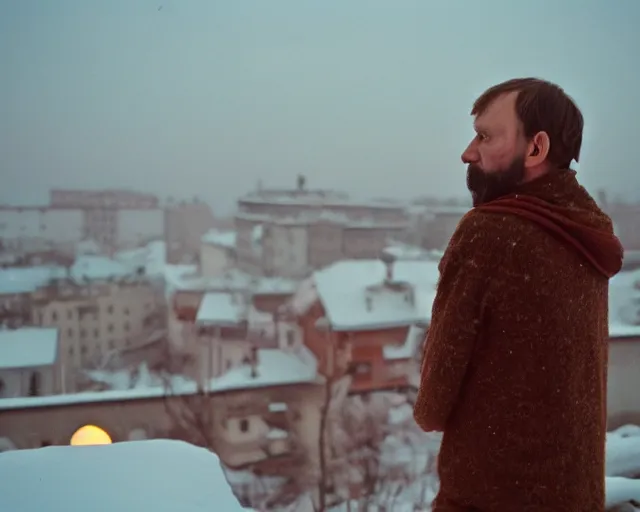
(90,435)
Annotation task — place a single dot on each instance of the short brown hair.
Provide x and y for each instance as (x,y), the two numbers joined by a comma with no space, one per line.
(542,106)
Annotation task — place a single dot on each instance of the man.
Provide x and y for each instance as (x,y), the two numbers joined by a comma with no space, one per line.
(515,363)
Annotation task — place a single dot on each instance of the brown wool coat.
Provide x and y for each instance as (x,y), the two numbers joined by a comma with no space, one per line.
(515,363)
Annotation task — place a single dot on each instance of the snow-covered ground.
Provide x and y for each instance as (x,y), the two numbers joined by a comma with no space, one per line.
(407,480)
(141,476)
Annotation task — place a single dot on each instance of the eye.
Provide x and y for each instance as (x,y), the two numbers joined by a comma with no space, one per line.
(482,137)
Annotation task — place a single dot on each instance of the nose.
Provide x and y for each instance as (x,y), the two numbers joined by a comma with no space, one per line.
(470,154)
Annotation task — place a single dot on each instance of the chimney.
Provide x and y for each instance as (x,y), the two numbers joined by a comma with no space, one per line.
(369,302)
(301,182)
(388,260)
(254,362)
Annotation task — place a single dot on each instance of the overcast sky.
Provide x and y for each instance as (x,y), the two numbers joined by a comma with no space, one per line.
(207,97)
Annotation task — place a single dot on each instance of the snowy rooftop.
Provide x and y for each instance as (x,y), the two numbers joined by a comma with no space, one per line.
(28,347)
(185,278)
(316,216)
(158,476)
(354,295)
(275,368)
(325,198)
(15,280)
(221,308)
(226,239)
(407,350)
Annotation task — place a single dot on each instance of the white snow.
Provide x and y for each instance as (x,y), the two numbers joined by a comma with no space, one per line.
(274,368)
(408,349)
(277,433)
(621,490)
(221,308)
(226,239)
(277,407)
(342,288)
(186,278)
(86,266)
(15,280)
(28,347)
(153,476)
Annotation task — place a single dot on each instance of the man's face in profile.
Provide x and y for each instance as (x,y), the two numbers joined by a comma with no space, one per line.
(495,157)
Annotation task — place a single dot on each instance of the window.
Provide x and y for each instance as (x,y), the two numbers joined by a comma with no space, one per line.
(244,425)
(83,349)
(125,311)
(2,387)
(110,328)
(291,338)
(34,384)
(112,344)
(110,309)
(54,316)
(69,314)
(70,332)
(126,326)
(70,351)
(83,333)
(96,333)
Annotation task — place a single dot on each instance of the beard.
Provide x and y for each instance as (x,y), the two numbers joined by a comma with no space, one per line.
(487,186)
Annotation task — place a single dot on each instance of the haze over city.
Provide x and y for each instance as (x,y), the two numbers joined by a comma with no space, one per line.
(208,97)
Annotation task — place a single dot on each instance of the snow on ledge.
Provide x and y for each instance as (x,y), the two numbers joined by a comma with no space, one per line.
(158,476)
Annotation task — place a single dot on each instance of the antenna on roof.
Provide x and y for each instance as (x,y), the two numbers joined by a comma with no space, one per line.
(301,182)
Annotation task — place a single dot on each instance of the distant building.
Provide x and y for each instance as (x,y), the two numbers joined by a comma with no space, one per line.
(433,225)
(292,232)
(30,363)
(217,321)
(366,318)
(99,306)
(114,219)
(185,225)
(31,229)
(217,253)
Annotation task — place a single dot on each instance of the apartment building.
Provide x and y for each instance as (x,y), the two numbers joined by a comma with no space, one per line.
(95,319)
(302,230)
(113,219)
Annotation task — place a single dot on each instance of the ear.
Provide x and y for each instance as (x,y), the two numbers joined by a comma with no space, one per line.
(537,150)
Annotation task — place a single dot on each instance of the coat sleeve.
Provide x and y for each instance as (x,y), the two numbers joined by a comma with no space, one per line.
(458,309)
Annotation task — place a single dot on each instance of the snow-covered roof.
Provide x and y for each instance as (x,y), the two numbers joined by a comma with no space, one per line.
(407,350)
(14,280)
(226,239)
(275,368)
(90,267)
(319,215)
(186,278)
(28,347)
(343,290)
(221,308)
(157,475)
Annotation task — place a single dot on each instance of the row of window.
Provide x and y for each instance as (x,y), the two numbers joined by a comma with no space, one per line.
(96,332)
(70,316)
(84,349)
